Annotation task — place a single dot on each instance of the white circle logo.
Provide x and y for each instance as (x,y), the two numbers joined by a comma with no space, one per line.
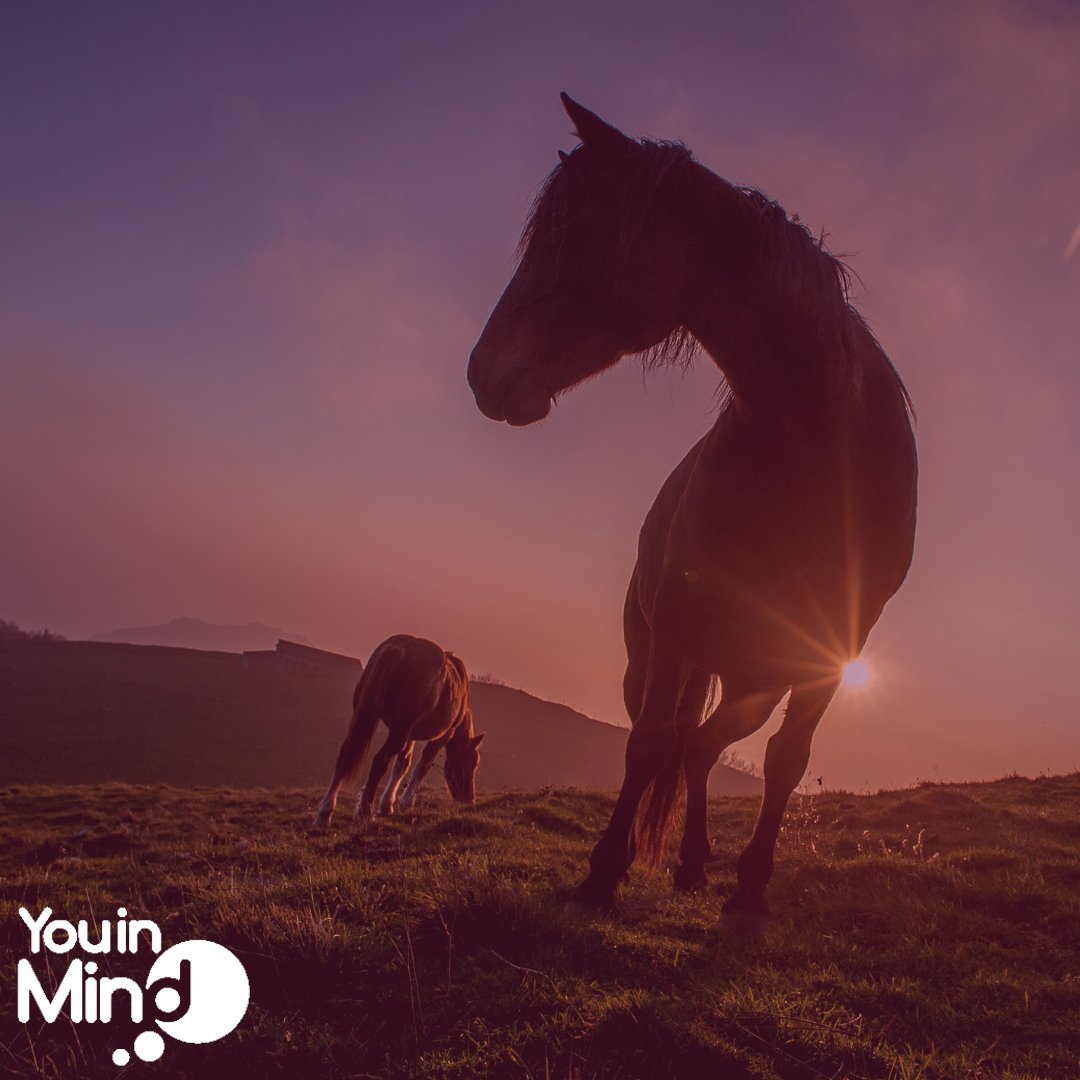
(219,990)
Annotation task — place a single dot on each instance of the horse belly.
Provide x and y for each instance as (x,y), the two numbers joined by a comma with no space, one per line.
(430,726)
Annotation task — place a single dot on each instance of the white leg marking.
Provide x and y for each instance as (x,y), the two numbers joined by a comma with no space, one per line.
(413,784)
(326,807)
(386,803)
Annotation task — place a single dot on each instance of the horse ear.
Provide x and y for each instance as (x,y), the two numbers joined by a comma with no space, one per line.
(589,127)
(563,155)
(477,740)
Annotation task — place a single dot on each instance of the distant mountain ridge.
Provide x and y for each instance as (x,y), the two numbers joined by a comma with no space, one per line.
(189,633)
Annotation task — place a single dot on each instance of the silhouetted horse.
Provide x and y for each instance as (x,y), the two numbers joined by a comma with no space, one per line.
(773,547)
(420,693)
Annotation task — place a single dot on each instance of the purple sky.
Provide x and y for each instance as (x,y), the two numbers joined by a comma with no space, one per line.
(248,247)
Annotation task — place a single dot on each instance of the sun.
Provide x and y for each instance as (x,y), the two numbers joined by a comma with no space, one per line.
(856,674)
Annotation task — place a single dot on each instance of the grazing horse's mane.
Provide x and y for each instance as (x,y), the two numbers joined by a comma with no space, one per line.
(807,285)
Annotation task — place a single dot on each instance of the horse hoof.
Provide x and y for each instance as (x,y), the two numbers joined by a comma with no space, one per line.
(689,881)
(321,823)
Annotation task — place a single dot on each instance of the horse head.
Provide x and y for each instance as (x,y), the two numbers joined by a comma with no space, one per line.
(597,243)
(462,762)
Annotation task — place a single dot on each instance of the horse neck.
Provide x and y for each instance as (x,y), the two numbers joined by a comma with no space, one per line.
(782,347)
(463,731)
(457,666)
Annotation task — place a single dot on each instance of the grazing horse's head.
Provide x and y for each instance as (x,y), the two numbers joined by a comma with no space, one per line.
(597,243)
(462,761)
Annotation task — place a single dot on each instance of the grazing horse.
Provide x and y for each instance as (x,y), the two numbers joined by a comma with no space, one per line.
(772,548)
(420,693)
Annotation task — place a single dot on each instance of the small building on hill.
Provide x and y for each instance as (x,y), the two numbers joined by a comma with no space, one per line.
(259,659)
(290,656)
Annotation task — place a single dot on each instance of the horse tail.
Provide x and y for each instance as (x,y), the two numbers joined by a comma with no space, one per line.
(367,708)
(660,805)
(665,796)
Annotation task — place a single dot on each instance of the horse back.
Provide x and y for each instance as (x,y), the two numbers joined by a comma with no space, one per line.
(423,690)
(410,672)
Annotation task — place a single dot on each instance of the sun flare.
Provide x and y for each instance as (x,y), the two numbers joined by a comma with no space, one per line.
(856,674)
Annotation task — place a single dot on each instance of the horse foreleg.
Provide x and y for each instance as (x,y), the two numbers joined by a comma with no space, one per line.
(786,758)
(423,767)
(389,749)
(401,767)
(739,714)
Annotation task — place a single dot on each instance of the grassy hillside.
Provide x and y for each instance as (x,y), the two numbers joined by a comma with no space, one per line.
(933,932)
(86,712)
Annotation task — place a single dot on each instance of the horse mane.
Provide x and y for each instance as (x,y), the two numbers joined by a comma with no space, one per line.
(458,665)
(812,289)
(810,286)
(547,220)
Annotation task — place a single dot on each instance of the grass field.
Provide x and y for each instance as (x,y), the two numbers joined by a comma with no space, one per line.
(931,932)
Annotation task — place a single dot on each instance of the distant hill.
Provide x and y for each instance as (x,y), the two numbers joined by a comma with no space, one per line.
(188,633)
(87,712)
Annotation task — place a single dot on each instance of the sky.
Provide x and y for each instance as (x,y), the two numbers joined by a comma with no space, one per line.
(247,249)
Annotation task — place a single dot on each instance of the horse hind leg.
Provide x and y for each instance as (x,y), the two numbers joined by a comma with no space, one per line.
(361,730)
(651,741)
(786,758)
(740,713)
(329,803)
(665,794)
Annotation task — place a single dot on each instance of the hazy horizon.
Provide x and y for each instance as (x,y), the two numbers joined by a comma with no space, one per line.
(249,250)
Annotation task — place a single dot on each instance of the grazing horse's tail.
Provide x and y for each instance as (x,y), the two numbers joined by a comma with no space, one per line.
(664,797)
(368,702)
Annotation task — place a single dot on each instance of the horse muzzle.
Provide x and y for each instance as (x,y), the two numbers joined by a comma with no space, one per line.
(519,401)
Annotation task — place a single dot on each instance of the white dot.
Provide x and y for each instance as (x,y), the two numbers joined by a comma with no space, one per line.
(167,999)
(149,1046)
(856,674)
(120,1057)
